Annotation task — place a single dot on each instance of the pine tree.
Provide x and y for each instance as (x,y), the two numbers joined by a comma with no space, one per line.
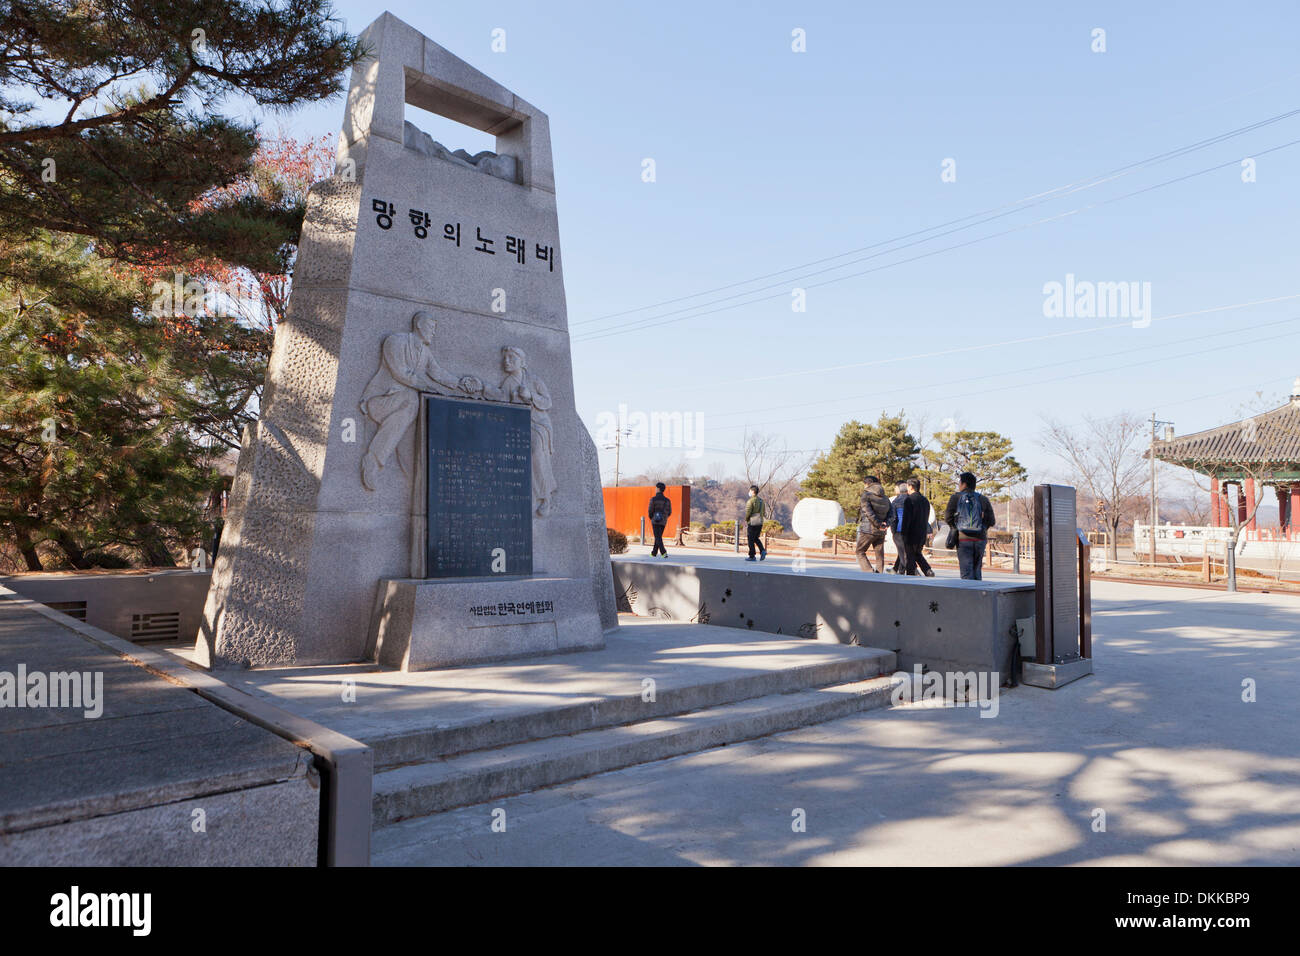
(986,455)
(885,449)
(130,137)
(93,451)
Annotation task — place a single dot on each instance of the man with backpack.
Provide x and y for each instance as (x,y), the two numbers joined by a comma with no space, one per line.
(755,511)
(970,514)
(874,511)
(660,510)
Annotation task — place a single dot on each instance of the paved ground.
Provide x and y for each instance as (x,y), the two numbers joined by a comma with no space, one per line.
(1159,739)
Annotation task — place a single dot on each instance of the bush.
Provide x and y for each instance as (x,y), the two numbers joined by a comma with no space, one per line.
(845,532)
(727,527)
(772,527)
(617,541)
(697,525)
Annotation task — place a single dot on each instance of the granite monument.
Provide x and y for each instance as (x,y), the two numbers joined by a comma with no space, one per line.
(418,489)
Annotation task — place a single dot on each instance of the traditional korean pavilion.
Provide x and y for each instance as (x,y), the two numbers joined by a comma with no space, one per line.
(1242,460)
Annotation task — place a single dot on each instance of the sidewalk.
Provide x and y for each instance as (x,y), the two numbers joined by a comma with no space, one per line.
(1159,739)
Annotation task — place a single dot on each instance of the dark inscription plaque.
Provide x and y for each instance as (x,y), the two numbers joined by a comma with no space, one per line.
(480,488)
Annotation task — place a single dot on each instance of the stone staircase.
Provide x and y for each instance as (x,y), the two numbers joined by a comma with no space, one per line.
(441,766)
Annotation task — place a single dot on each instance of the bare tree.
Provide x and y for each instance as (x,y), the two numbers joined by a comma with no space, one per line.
(772,465)
(1022,505)
(1103,456)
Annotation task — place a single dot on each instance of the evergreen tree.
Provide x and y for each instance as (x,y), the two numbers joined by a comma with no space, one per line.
(93,451)
(130,138)
(885,449)
(986,455)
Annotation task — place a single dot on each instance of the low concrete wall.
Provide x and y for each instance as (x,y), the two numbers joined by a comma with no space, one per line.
(121,789)
(943,624)
(134,607)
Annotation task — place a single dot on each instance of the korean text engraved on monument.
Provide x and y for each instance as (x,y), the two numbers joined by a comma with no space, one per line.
(479,489)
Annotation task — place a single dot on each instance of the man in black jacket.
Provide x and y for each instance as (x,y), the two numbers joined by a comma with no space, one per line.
(874,510)
(916,528)
(660,509)
(972,515)
(896,526)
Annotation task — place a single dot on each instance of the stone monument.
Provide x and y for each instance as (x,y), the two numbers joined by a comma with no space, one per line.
(813,517)
(418,490)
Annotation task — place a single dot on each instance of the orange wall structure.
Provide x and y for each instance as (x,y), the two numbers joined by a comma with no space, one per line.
(626,505)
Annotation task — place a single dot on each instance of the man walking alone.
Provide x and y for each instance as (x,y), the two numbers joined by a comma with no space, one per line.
(754,514)
(972,515)
(874,512)
(660,509)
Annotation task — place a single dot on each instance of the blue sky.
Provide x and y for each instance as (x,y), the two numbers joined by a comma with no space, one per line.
(767,159)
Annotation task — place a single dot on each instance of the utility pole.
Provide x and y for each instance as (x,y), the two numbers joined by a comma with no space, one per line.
(618,447)
(1152,454)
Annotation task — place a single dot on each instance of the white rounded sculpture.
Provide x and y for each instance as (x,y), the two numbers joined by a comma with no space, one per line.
(811,518)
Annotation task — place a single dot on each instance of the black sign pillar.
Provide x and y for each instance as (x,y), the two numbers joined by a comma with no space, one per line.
(1060,603)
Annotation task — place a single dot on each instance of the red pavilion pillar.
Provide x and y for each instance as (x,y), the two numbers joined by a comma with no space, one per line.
(1250,504)
(1216,504)
(1294,510)
(1241,504)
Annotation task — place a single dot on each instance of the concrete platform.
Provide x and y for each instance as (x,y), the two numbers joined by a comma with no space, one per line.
(941,623)
(126,787)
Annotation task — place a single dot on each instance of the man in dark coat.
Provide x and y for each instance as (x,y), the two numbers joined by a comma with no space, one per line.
(874,510)
(896,526)
(916,529)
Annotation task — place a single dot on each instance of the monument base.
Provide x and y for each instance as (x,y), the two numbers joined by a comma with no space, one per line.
(1053,676)
(421,624)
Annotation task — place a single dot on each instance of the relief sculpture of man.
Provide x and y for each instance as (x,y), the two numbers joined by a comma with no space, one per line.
(523,387)
(392,397)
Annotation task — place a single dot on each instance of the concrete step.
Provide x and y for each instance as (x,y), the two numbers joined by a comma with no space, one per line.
(502,729)
(476,777)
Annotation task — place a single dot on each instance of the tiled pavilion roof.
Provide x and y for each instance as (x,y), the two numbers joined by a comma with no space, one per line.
(1264,445)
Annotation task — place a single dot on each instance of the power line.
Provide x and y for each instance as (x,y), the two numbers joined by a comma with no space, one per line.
(1010,207)
(654,323)
(947,398)
(986,346)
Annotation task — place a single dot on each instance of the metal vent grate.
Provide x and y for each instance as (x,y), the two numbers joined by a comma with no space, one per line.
(157,626)
(74,609)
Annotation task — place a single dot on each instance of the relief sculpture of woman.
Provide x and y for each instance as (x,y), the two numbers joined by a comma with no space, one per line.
(525,388)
